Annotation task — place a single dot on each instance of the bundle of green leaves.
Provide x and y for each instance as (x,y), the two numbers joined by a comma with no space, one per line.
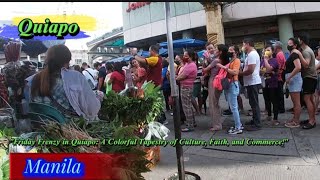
(134,110)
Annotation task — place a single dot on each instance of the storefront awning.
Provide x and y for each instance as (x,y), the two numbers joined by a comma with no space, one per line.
(184,43)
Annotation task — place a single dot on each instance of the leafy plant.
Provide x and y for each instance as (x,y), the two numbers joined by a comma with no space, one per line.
(134,110)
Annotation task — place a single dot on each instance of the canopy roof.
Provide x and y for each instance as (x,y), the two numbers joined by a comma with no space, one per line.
(184,43)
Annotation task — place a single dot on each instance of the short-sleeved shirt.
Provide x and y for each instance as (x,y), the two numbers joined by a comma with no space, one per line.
(271,78)
(281,62)
(117,81)
(254,78)
(155,69)
(234,65)
(290,64)
(310,71)
(189,70)
(102,74)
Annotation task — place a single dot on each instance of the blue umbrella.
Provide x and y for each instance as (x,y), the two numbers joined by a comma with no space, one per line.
(184,43)
(162,52)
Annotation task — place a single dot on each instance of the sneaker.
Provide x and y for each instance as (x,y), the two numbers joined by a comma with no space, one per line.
(232,129)
(236,131)
(227,113)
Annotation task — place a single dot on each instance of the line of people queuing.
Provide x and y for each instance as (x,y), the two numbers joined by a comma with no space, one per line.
(223,71)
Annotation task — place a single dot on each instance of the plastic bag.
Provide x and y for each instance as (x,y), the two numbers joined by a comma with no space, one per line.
(157,130)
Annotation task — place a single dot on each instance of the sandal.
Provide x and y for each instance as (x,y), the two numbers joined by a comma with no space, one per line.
(305,122)
(309,126)
(292,124)
(187,130)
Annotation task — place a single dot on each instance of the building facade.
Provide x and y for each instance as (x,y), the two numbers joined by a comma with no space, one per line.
(144,24)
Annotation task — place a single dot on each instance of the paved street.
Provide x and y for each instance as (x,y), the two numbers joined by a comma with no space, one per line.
(299,159)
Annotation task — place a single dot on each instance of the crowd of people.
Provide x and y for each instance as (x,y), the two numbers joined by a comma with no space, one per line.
(224,70)
(230,71)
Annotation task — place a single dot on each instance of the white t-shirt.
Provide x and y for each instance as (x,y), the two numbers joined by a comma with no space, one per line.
(94,74)
(253,79)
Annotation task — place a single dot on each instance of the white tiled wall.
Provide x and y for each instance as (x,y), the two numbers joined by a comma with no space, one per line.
(183,22)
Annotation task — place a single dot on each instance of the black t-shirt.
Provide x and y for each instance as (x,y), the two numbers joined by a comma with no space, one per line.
(102,74)
(289,63)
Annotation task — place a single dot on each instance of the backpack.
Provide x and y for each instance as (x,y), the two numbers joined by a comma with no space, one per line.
(221,81)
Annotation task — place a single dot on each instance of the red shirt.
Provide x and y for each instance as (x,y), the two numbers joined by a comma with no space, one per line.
(117,81)
(281,62)
(155,70)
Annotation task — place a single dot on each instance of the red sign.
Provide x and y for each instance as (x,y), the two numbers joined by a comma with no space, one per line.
(135,5)
(84,166)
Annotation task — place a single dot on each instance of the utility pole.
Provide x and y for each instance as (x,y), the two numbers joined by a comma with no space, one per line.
(174,94)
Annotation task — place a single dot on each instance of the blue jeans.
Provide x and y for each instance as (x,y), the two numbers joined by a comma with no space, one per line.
(232,94)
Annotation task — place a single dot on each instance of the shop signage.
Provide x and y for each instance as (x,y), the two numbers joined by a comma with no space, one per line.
(135,5)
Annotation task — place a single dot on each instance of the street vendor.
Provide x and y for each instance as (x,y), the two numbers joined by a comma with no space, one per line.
(67,90)
(154,63)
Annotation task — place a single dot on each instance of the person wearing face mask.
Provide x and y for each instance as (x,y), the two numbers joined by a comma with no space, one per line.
(309,76)
(252,82)
(234,89)
(281,61)
(294,81)
(271,84)
(214,94)
(186,79)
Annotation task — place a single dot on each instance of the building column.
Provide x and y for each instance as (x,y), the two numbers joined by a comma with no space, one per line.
(187,34)
(285,30)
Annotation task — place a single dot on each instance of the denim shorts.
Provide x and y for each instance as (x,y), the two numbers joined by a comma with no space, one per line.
(295,84)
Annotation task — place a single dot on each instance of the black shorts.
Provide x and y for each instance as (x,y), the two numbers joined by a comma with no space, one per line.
(309,85)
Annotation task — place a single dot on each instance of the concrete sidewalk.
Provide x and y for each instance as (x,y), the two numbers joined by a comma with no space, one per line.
(298,159)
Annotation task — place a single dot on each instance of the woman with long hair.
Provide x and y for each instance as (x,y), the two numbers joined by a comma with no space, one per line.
(221,56)
(67,90)
(139,74)
(117,78)
(234,89)
(294,81)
